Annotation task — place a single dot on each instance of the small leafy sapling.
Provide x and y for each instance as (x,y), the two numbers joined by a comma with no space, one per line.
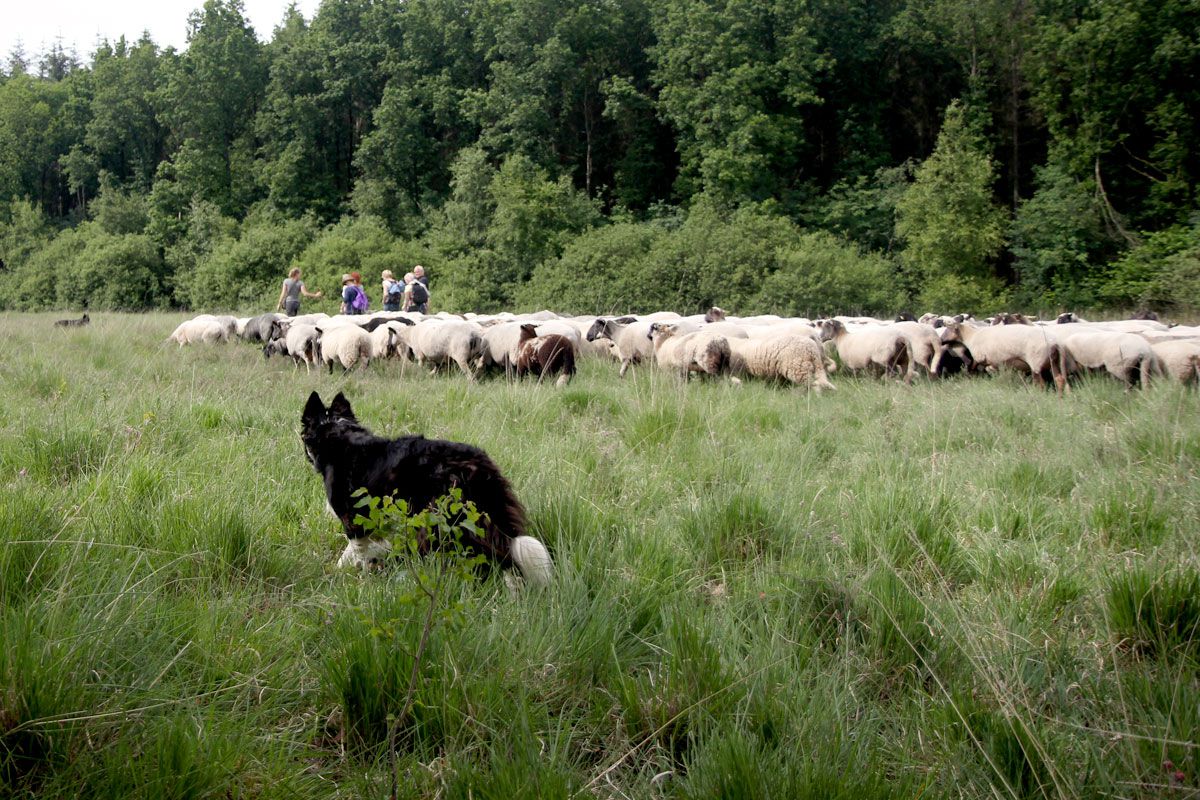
(429,544)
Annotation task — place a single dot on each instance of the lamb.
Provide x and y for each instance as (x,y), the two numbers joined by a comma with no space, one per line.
(1180,359)
(345,344)
(1026,348)
(631,336)
(544,355)
(438,342)
(795,359)
(688,352)
(1125,356)
(881,348)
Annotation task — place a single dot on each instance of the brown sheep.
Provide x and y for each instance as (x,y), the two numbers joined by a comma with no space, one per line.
(545,355)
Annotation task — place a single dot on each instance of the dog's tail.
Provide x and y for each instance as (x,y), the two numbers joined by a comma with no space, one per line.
(533,559)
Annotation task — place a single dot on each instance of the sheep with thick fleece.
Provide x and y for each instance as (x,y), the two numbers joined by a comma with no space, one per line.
(439,342)
(1180,359)
(204,328)
(386,341)
(1126,356)
(502,340)
(793,327)
(631,336)
(347,345)
(685,353)
(1031,349)
(798,360)
(876,348)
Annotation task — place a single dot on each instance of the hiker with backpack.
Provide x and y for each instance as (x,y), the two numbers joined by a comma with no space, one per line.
(354,299)
(393,292)
(416,296)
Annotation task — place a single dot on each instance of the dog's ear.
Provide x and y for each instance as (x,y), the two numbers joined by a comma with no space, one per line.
(340,407)
(314,409)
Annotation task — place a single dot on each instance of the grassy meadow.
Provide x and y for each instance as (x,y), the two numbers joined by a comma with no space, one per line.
(962,589)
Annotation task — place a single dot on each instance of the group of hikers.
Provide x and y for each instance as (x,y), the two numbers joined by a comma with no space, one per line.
(411,294)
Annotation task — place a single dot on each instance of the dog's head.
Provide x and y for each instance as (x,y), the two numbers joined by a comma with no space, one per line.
(318,423)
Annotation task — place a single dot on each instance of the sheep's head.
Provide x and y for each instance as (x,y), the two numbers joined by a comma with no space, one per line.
(1067,318)
(599,328)
(528,331)
(714,314)
(831,328)
(952,333)
(660,331)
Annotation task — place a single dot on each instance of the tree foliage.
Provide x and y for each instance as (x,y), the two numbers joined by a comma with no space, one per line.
(958,152)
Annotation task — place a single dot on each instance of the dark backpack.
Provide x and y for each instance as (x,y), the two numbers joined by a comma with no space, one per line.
(395,292)
(420,295)
(360,301)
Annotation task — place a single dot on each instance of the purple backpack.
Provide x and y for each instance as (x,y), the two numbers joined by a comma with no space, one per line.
(360,301)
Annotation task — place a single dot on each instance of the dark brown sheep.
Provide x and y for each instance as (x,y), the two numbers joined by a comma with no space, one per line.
(545,355)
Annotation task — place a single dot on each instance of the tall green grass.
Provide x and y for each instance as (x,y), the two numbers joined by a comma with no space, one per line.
(963,589)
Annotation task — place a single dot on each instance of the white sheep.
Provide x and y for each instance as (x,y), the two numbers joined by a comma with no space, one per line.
(347,345)
(685,353)
(1125,356)
(1032,349)
(631,337)
(876,348)
(798,360)
(927,347)
(386,341)
(439,342)
(1180,359)
(204,328)
(299,341)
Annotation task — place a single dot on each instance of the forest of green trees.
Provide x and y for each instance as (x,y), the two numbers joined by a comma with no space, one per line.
(787,156)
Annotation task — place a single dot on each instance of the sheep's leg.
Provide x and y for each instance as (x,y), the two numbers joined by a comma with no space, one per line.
(624,367)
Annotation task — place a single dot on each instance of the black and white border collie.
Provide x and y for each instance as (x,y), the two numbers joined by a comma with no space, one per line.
(418,470)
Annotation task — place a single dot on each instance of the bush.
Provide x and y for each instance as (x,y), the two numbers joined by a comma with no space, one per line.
(247,270)
(958,294)
(600,272)
(820,275)
(355,244)
(1163,272)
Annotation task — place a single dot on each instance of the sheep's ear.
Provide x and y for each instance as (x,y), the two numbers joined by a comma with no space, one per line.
(314,409)
(340,407)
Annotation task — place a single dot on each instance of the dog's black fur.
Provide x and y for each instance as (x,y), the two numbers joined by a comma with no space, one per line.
(73,323)
(412,468)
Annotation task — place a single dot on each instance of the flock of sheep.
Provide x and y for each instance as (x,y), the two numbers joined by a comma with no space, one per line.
(794,350)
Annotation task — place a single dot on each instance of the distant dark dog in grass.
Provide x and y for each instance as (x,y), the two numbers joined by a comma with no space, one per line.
(73,323)
(418,470)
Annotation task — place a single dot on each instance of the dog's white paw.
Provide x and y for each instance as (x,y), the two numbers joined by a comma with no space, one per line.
(365,553)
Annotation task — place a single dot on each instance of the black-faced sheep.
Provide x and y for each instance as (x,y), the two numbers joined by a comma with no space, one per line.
(631,337)
(1030,349)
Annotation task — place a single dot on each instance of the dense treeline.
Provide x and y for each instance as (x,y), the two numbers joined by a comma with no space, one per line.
(793,157)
